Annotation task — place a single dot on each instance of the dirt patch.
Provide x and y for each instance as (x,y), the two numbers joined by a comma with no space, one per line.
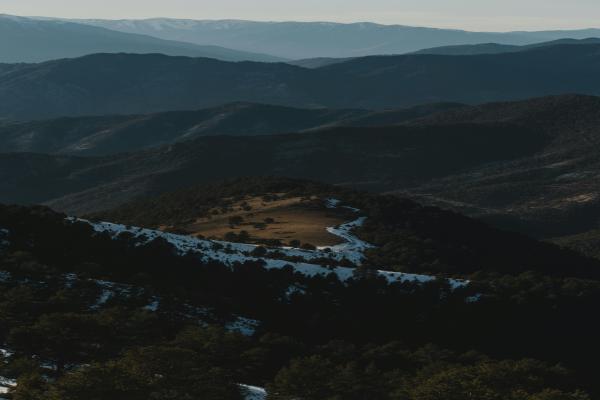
(271,219)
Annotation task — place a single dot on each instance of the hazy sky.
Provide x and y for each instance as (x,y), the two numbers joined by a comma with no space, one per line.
(467,14)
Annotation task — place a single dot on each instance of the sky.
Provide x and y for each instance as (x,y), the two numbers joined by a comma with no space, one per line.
(478,15)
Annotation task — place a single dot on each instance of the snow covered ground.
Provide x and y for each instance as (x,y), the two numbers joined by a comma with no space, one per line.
(245,326)
(6,384)
(353,248)
(4,243)
(231,253)
(253,392)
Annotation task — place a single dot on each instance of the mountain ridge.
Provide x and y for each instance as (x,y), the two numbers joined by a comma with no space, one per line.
(300,40)
(132,84)
(32,40)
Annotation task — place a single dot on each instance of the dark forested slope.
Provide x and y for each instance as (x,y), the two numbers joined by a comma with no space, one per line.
(380,158)
(115,134)
(554,192)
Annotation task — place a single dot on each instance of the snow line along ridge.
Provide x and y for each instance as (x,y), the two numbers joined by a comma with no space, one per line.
(209,250)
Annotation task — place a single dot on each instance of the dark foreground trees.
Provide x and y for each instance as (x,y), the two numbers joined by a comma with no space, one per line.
(316,338)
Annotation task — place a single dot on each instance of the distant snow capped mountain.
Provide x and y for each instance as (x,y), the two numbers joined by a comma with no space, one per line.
(298,40)
(35,40)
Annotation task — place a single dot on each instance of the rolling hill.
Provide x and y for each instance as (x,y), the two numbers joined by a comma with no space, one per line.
(467,79)
(114,134)
(379,158)
(131,84)
(553,193)
(27,40)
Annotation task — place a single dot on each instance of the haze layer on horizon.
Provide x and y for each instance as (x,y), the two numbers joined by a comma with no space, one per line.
(475,15)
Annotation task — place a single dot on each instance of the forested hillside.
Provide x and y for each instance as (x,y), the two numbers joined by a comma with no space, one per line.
(552,193)
(378,158)
(148,320)
(116,134)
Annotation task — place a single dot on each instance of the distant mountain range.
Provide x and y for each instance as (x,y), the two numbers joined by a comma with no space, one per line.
(495,48)
(34,40)
(113,134)
(131,84)
(299,40)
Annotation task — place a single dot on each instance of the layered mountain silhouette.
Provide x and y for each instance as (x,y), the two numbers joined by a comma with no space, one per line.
(34,40)
(113,134)
(299,40)
(130,84)
(456,50)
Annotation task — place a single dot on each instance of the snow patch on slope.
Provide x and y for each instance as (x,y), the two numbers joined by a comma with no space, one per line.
(110,290)
(6,384)
(335,203)
(4,277)
(245,326)
(354,248)
(253,392)
(232,253)
(4,243)
(153,306)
